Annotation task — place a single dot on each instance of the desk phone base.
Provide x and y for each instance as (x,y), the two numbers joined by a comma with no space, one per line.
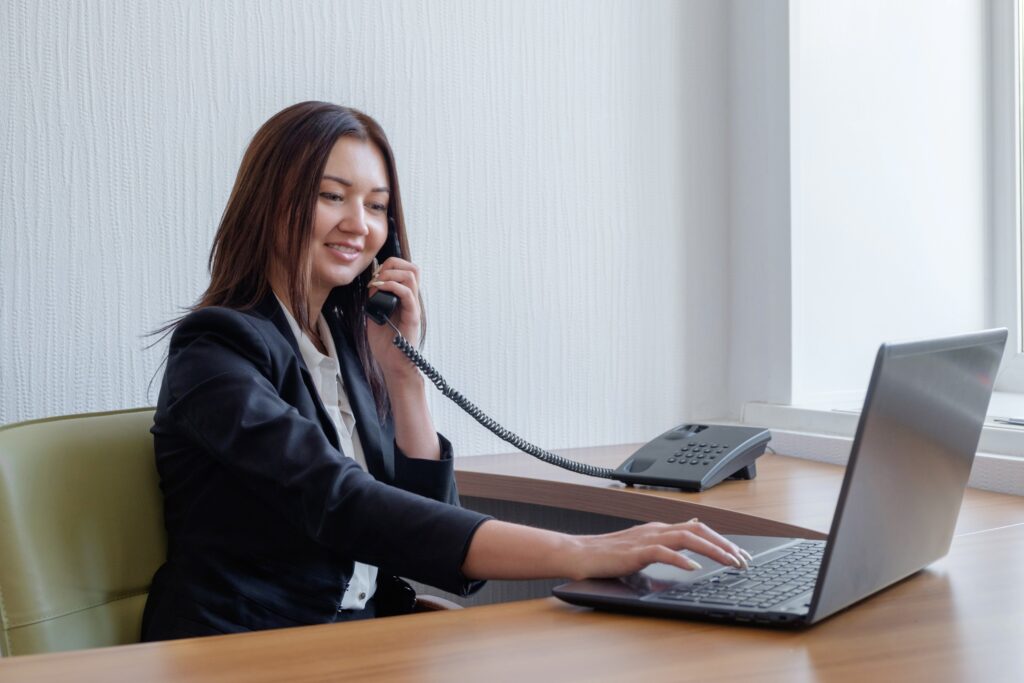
(695,457)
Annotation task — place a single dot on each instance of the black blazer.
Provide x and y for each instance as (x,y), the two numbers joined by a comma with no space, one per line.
(264,514)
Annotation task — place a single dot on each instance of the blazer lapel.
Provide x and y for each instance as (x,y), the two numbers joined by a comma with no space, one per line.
(271,310)
(377,450)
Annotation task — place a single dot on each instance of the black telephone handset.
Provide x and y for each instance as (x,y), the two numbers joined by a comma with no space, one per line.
(381,305)
(689,457)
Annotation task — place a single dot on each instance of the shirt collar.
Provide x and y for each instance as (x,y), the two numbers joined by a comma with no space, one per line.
(310,354)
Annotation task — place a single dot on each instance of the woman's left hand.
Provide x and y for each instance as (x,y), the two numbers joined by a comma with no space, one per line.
(401,278)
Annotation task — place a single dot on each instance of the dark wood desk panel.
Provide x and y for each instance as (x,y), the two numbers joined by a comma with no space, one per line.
(789,497)
(960,620)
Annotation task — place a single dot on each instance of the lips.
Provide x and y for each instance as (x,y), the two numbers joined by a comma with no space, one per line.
(344,248)
(344,253)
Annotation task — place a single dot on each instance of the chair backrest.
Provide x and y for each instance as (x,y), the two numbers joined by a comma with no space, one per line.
(81,530)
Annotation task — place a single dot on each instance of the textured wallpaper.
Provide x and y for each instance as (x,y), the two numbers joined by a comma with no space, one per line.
(557,160)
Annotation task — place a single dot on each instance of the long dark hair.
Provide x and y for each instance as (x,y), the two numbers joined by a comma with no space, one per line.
(274,202)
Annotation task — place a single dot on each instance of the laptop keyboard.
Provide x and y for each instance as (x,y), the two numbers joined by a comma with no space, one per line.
(770,581)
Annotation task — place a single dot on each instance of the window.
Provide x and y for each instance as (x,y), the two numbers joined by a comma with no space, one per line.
(824,432)
(1006,178)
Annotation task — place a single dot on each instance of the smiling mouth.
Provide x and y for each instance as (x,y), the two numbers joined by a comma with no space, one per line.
(344,249)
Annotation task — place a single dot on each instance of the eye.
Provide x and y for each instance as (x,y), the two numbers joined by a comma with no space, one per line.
(331,196)
(379,207)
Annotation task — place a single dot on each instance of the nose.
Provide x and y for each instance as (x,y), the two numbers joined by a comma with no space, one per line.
(354,220)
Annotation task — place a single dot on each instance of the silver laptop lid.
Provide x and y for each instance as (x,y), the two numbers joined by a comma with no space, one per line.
(909,464)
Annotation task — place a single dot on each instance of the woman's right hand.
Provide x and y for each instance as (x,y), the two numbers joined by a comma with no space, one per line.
(499,550)
(630,550)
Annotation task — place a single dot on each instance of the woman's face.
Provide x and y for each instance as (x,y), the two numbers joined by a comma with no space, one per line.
(351,221)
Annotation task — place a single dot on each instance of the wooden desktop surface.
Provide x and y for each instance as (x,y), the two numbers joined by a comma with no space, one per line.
(961,619)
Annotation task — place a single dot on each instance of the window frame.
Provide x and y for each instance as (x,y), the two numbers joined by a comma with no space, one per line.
(1005,137)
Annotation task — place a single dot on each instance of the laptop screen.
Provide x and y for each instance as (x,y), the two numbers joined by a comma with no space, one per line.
(909,464)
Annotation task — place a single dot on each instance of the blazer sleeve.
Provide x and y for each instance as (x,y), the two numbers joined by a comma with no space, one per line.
(431,478)
(221,395)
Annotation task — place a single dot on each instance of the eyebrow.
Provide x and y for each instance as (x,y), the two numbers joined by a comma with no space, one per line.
(348,183)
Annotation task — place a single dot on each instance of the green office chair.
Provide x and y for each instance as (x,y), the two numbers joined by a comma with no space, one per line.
(81,530)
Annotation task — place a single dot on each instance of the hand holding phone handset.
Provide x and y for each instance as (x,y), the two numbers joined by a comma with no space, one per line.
(679,458)
(394,296)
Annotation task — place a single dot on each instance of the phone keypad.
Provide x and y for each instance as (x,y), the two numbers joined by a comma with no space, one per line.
(697,453)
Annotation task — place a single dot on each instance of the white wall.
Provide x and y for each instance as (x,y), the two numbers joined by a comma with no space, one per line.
(560,162)
(889,189)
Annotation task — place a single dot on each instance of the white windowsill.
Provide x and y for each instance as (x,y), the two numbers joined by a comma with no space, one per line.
(826,433)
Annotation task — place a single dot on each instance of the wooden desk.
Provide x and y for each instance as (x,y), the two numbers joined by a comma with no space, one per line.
(962,619)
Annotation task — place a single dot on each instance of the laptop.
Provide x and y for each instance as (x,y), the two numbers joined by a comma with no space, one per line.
(905,479)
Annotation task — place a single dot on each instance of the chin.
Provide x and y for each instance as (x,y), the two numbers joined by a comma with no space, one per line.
(339,277)
(341,282)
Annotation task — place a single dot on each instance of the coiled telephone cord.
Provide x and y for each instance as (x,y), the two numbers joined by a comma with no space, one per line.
(505,435)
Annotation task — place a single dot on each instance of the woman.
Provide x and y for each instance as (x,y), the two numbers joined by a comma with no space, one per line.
(300,467)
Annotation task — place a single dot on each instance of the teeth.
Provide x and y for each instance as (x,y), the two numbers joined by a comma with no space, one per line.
(343,249)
